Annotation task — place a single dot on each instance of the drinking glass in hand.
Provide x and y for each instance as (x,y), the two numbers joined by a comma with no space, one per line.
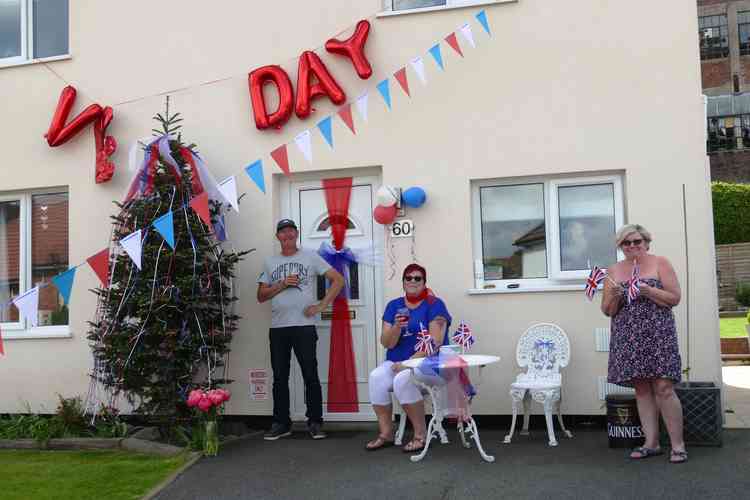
(402,315)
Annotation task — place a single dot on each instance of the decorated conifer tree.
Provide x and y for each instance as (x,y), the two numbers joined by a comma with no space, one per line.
(163,326)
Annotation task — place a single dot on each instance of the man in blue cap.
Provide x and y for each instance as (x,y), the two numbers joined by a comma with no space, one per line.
(289,281)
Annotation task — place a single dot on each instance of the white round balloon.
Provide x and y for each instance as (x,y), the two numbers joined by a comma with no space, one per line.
(387,196)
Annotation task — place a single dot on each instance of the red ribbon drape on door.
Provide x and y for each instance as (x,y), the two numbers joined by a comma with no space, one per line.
(342,373)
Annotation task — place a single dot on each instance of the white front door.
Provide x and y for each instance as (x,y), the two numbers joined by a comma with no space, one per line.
(307,206)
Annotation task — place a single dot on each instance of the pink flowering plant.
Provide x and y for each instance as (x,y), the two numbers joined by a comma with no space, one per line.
(209,406)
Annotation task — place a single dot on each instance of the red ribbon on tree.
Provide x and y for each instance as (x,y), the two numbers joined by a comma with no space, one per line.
(342,373)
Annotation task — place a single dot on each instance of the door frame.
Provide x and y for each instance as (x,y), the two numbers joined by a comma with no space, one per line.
(303,180)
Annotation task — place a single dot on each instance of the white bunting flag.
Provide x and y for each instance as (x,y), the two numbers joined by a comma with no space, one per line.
(28,305)
(228,189)
(418,64)
(133,245)
(466,32)
(362,105)
(303,143)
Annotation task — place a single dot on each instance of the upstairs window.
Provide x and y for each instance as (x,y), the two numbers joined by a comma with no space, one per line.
(743,27)
(32,29)
(396,6)
(713,32)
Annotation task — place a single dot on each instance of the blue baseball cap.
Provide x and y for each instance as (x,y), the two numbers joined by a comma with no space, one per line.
(283,223)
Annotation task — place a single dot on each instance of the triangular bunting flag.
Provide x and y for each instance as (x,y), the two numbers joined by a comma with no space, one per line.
(346,115)
(255,172)
(466,32)
(437,55)
(199,204)
(324,126)
(418,64)
(228,189)
(281,158)
(362,102)
(28,305)
(401,79)
(132,244)
(64,283)
(99,263)
(385,91)
(482,18)
(303,142)
(451,39)
(165,227)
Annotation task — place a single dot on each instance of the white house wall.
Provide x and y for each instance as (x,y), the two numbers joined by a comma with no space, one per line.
(577,86)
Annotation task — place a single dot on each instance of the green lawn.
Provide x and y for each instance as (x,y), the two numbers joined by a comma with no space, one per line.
(732,327)
(29,474)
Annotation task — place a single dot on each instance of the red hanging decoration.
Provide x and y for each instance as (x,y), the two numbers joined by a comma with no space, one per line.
(311,65)
(199,204)
(354,48)
(342,372)
(281,158)
(99,263)
(451,39)
(278,77)
(346,115)
(60,132)
(401,79)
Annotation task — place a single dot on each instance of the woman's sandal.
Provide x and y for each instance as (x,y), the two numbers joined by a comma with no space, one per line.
(645,452)
(378,443)
(414,446)
(678,457)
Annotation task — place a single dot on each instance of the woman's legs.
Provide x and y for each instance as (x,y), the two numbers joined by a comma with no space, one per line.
(381,385)
(648,413)
(412,402)
(671,411)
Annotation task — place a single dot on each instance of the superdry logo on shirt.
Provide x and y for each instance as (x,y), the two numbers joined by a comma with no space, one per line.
(288,268)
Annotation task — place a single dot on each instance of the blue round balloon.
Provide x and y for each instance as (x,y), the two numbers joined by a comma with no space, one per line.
(414,197)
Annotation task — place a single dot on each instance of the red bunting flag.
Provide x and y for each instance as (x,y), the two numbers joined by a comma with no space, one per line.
(451,39)
(199,204)
(401,78)
(346,114)
(281,158)
(2,351)
(99,263)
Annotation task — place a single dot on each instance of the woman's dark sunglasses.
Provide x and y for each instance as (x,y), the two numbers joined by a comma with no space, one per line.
(627,243)
(413,278)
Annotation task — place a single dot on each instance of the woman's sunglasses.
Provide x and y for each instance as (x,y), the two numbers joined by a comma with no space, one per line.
(413,278)
(627,243)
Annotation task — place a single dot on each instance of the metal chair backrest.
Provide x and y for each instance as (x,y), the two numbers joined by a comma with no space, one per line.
(543,349)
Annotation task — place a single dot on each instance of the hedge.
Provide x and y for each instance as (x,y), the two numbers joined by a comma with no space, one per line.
(731,212)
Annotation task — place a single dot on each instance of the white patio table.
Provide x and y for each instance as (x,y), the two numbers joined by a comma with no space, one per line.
(479,360)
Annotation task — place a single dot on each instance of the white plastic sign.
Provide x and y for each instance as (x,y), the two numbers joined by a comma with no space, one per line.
(402,228)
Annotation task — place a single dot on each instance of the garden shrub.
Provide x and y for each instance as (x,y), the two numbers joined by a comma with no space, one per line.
(742,294)
(731,204)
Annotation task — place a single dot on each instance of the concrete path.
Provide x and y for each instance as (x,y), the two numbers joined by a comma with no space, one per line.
(736,396)
(580,468)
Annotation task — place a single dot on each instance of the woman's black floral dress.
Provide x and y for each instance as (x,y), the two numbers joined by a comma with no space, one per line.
(643,343)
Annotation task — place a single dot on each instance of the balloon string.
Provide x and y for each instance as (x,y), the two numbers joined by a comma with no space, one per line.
(391,255)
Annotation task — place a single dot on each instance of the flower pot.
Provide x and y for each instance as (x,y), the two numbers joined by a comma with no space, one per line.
(701,410)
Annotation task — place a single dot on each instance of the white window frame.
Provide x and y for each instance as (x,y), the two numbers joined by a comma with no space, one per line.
(27,40)
(556,278)
(21,329)
(449,4)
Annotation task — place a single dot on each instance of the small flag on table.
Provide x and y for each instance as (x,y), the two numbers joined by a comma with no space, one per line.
(463,336)
(425,342)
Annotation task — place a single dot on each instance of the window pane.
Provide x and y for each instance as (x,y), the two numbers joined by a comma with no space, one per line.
(10,28)
(50,28)
(415,4)
(10,214)
(587,226)
(514,243)
(49,253)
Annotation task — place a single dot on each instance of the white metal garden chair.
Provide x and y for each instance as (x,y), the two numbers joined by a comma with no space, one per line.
(543,349)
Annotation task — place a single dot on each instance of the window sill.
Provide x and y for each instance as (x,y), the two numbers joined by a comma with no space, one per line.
(478,3)
(42,332)
(527,289)
(27,62)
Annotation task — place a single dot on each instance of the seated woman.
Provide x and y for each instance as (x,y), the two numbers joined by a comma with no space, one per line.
(402,320)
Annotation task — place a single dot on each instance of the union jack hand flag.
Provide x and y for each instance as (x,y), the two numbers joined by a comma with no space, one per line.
(596,276)
(634,289)
(425,342)
(463,336)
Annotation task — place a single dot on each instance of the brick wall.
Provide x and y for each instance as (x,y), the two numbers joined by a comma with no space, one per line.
(704,3)
(730,166)
(715,73)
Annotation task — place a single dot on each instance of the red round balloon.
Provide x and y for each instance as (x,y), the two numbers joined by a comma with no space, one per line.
(278,77)
(354,48)
(311,65)
(384,215)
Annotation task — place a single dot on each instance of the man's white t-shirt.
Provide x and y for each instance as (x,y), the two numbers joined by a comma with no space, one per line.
(288,306)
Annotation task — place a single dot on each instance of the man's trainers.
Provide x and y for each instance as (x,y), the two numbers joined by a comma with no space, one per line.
(315,431)
(277,431)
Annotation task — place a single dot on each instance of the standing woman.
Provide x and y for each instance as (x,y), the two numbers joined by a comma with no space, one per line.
(643,348)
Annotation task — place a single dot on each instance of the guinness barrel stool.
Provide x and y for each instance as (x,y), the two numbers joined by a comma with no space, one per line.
(623,424)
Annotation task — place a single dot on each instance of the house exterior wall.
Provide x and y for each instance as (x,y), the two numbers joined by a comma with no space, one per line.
(560,88)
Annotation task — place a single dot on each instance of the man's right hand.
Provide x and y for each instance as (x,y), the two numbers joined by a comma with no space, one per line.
(291,280)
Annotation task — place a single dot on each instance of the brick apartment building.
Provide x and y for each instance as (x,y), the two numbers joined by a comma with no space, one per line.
(724,35)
